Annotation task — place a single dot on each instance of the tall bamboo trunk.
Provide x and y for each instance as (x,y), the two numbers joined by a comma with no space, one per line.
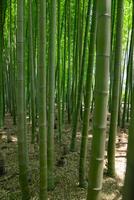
(128,192)
(101,99)
(83,151)
(115,90)
(76,112)
(42,99)
(21,116)
(52,59)
(32,71)
(1,68)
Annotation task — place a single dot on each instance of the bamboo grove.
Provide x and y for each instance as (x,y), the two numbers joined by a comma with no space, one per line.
(69,64)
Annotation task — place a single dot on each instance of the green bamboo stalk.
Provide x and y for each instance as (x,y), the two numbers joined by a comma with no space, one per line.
(115,90)
(76,112)
(51,100)
(75,74)
(12,66)
(73,102)
(1,69)
(64,66)
(128,186)
(59,72)
(101,99)
(83,149)
(21,126)
(113,11)
(69,64)
(32,74)
(122,81)
(127,81)
(128,191)
(42,98)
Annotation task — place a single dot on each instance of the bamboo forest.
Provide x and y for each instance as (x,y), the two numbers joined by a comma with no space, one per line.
(67,99)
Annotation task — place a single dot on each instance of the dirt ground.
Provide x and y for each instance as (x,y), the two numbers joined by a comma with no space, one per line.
(67,186)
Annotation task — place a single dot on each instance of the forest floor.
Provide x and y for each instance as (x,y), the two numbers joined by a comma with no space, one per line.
(67,186)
